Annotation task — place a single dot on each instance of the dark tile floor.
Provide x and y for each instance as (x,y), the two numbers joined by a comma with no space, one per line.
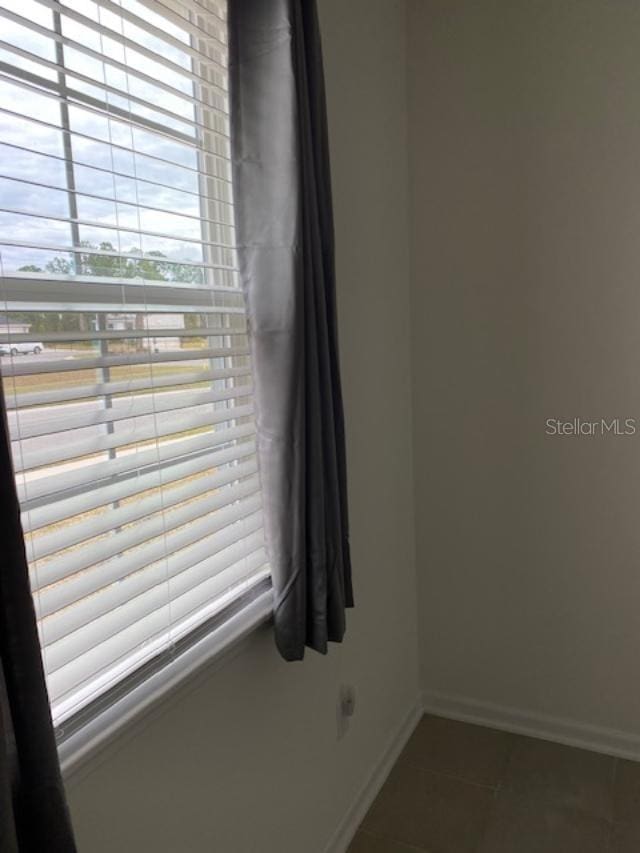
(459,788)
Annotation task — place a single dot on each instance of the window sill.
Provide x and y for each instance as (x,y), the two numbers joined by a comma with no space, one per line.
(212,650)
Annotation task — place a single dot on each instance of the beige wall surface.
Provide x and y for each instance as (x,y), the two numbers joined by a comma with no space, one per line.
(525,222)
(249,761)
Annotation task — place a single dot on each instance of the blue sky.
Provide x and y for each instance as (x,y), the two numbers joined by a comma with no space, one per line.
(144,156)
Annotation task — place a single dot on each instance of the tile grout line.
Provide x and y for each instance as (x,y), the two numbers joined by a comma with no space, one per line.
(452,776)
(385,837)
(496,793)
(614,779)
(507,763)
(614,776)
(495,789)
(440,774)
(499,786)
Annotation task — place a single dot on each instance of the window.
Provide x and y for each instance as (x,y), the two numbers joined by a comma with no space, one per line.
(123,341)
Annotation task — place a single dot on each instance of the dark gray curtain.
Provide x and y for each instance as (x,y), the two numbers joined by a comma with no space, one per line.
(33,811)
(285,235)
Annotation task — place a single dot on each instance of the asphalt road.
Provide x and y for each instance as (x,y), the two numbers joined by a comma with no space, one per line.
(65,421)
(45,355)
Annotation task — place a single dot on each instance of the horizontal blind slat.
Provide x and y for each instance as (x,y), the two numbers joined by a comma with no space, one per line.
(125,229)
(121,203)
(100,494)
(185,22)
(33,424)
(132,334)
(66,394)
(75,162)
(115,295)
(81,97)
(26,368)
(74,249)
(25,459)
(80,479)
(110,60)
(113,519)
(66,11)
(118,648)
(187,48)
(108,625)
(63,622)
(42,87)
(202,171)
(183,13)
(195,540)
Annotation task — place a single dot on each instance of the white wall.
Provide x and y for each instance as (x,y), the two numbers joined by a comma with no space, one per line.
(525,212)
(248,761)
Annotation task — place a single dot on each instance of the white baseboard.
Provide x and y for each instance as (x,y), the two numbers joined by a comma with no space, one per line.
(348,826)
(571,732)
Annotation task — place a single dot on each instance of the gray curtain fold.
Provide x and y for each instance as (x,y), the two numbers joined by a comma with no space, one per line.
(284,231)
(33,813)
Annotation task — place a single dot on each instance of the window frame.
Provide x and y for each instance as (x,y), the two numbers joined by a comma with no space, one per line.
(224,640)
(97,722)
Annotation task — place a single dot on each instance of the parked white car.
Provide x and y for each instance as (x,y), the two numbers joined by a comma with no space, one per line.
(21,348)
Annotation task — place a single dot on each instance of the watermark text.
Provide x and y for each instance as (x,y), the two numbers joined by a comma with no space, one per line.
(598,427)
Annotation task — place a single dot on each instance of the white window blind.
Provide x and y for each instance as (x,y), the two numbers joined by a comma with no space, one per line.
(123,342)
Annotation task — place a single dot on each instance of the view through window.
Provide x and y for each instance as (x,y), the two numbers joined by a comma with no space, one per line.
(123,345)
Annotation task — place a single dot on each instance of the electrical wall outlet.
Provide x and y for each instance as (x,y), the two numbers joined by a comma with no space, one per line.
(346,707)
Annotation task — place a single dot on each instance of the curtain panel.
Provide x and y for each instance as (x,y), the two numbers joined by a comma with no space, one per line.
(33,812)
(284,231)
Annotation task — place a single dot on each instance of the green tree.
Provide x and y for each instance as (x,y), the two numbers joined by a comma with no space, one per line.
(104,261)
